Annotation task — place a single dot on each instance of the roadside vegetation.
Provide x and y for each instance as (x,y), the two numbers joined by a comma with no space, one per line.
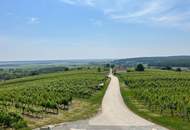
(51,98)
(160,96)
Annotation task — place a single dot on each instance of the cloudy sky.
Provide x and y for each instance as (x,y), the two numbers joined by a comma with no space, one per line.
(93,29)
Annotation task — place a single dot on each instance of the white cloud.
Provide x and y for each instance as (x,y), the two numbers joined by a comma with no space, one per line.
(147,9)
(90,2)
(165,12)
(33,20)
(178,20)
(71,2)
(79,2)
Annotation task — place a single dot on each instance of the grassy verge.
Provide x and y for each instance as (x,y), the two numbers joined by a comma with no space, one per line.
(169,122)
(79,110)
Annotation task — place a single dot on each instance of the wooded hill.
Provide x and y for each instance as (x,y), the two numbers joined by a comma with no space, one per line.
(174,61)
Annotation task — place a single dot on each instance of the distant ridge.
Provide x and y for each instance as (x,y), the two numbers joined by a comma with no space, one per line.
(174,61)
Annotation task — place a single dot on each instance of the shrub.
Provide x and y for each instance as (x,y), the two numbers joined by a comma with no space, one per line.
(167,68)
(178,69)
(112,66)
(99,69)
(139,67)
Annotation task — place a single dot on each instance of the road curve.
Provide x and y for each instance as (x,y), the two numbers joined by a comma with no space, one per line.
(115,115)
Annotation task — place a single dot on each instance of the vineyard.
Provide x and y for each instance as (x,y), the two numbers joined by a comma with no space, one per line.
(38,96)
(165,93)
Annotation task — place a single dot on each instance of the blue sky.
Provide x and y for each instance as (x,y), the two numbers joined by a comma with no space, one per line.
(93,29)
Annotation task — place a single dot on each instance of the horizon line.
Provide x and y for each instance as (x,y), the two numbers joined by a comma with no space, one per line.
(85,59)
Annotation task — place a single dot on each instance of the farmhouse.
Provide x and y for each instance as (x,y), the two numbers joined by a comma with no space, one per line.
(120,68)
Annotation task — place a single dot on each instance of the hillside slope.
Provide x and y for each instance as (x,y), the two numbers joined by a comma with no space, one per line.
(175,61)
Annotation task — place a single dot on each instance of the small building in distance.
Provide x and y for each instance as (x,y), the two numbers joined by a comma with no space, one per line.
(120,68)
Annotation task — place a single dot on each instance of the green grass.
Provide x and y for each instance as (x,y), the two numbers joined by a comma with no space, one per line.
(172,123)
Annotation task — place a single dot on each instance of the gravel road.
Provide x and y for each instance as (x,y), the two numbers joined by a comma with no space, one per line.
(115,115)
(114,110)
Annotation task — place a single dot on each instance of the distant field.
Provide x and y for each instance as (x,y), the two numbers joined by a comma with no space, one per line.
(160,96)
(50,63)
(19,69)
(51,98)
